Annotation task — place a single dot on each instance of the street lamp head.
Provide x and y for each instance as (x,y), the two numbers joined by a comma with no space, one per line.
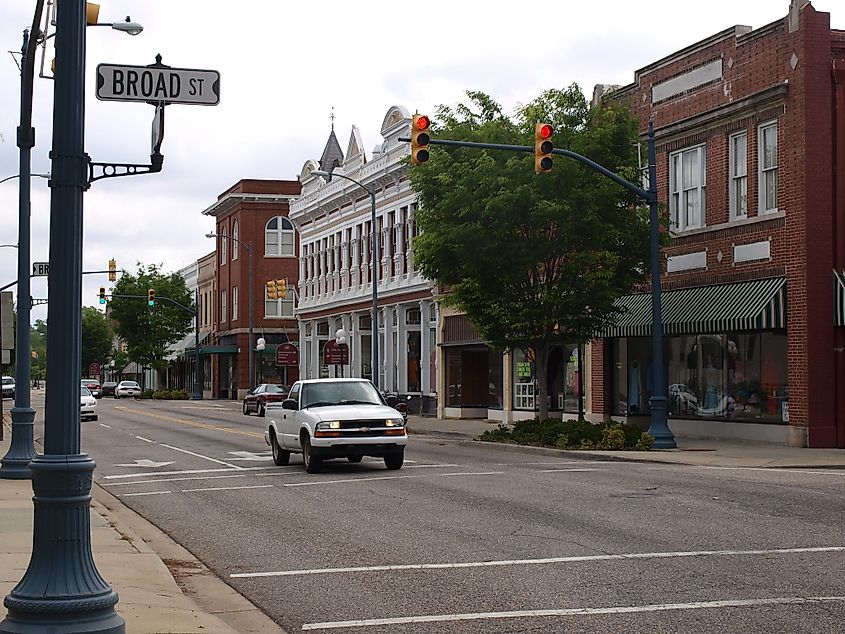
(210,234)
(127,26)
(320,173)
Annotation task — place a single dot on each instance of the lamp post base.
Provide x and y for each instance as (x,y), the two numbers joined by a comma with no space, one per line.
(15,464)
(62,592)
(659,429)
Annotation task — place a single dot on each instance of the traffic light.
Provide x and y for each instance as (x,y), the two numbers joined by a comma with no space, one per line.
(92,13)
(112,270)
(102,294)
(282,288)
(420,138)
(151,297)
(272,290)
(543,147)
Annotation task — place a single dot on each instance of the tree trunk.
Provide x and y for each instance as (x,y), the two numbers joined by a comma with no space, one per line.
(541,358)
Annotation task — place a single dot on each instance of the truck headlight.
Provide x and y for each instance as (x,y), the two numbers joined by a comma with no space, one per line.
(329,424)
(391,422)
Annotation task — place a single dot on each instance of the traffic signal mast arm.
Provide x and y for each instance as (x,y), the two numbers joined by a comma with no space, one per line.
(193,311)
(639,191)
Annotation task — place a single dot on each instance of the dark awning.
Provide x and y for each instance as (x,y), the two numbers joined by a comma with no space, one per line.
(739,306)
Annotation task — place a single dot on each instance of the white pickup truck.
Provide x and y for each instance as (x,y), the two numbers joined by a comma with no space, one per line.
(335,418)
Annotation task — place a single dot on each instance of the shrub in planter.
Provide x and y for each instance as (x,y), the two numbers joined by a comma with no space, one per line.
(613,437)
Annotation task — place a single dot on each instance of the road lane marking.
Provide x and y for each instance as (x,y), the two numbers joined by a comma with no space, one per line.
(545,560)
(104,425)
(622,609)
(145,462)
(146,474)
(402,477)
(254,486)
(144,439)
(198,455)
(127,495)
(572,470)
(191,423)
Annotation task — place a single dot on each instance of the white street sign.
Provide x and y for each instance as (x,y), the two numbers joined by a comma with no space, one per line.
(40,269)
(158,84)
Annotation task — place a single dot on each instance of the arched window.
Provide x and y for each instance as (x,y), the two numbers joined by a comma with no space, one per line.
(224,245)
(235,243)
(279,237)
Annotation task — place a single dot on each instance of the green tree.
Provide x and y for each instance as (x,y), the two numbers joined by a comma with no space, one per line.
(149,330)
(38,345)
(96,338)
(534,260)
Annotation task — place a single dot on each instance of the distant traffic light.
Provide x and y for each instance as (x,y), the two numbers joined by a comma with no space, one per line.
(420,138)
(112,270)
(543,147)
(272,290)
(151,297)
(102,294)
(282,288)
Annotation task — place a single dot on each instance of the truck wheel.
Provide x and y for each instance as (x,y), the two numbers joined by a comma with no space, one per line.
(280,456)
(394,461)
(313,464)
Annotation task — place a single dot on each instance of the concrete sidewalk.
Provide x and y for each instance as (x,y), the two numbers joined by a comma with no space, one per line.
(130,554)
(710,453)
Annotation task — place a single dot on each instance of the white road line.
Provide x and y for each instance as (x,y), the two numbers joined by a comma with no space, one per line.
(144,439)
(255,486)
(146,474)
(475,616)
(127,495)
(546,560)
(155,481)
(197,455)
(403,477)
(104,425)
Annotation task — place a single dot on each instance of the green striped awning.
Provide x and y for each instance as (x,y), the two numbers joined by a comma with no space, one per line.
(754,305)
(839,298)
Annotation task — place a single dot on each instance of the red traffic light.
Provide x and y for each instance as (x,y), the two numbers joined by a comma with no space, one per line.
(545,131)
(422,122)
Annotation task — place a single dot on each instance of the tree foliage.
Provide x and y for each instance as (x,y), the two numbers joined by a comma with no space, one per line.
(534,260)
(96,338)
(148,331)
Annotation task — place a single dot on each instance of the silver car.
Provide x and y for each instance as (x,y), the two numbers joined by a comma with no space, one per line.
(127,389)
(88,404)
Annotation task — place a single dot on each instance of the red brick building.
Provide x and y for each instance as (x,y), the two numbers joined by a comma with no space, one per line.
(252,217)
(750,130)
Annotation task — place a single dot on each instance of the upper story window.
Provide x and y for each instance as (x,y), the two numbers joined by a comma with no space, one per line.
(235,243)
(234,303)
(413,317)
(767,172)
(223,306)
(687,187)
(224,246)
(278,236)
(738,175)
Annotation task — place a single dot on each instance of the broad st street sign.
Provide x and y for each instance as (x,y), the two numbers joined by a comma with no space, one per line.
(158,84)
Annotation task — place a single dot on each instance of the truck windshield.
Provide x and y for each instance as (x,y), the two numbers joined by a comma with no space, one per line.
(339,393)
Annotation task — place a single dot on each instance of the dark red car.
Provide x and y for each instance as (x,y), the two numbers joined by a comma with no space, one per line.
(94,386)
(257,399)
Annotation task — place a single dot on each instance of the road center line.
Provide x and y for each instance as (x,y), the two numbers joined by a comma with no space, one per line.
(254,486)
(127,495)
(144,439)
(474,616)
(104,425)
(197,455)
(402,477)
(546,560)
(147,474)
(572,470)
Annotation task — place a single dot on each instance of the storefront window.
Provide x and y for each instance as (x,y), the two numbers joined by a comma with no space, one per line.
(524,383)
(496,384)
(453,378)
(735,376)
(414,366)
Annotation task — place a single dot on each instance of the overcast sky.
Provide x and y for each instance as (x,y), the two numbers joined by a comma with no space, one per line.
(284,66)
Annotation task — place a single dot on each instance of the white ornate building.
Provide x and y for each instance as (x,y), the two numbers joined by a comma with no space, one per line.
(333,217)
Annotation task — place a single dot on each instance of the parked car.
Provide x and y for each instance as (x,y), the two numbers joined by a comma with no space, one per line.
(129,389)
(94,386)
(8,387)
(335,418)
(88,404)
(108,388)
(257,399)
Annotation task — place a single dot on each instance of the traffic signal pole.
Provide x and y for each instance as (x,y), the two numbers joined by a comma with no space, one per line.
(659,427)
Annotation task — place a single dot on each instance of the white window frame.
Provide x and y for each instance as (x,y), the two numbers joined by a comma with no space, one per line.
(679,192)
(234,303)
(235,236)
(766,171)
(738,176)
(223,306)
(224,239)
(279,241)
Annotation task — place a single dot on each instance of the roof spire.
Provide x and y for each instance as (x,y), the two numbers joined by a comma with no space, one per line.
(331,116)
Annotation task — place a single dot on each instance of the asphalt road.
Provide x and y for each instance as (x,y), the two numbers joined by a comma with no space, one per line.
(466,538)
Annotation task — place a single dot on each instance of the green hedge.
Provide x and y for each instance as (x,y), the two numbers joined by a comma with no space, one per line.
(571,434)
(172,395)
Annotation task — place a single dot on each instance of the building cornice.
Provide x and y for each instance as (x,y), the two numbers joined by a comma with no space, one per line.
(229,201)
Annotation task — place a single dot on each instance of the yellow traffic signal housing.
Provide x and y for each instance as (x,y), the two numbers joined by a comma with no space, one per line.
(543,147)
(151,297)
(92,13)
(272,290)
(102,294)
(112,270)
(282,287)
(420,138)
